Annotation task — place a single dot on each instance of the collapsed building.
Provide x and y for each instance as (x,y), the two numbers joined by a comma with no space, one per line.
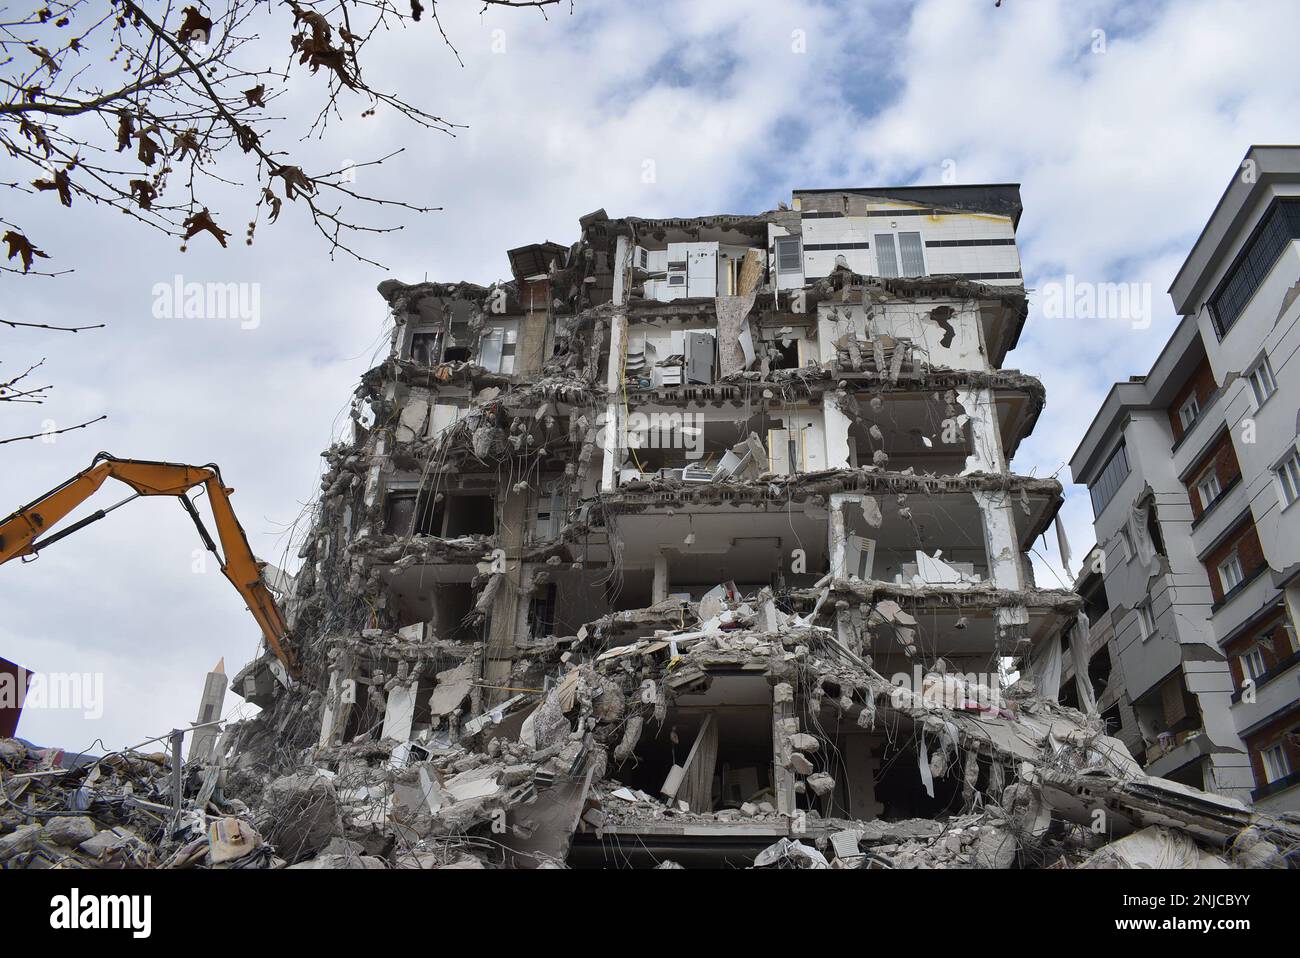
(697,543)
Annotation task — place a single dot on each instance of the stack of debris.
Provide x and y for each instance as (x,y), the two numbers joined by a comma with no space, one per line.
(523,784)
(118,812)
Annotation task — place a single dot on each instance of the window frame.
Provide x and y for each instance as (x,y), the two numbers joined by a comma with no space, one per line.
(896,252)
(1146,621)
(1287,475)
(1208,477)
(1252,664)
(1275,759)
(1106,477)
(778,241)
(1232,560)
(1189,421)
(1278,226)
(1261,379)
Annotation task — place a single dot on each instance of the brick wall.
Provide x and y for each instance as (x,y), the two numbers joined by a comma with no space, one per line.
(1223,457)
(1245,541)
(1201,382)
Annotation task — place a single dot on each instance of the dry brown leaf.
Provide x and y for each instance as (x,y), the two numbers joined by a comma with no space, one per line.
(143,192)
(202,222)
(19,245)
(61,182)
(195,26)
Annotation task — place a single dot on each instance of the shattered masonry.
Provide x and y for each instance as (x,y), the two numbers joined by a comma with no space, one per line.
(696,544)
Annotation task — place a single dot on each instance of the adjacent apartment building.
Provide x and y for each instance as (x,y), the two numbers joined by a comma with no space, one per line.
(1194,475)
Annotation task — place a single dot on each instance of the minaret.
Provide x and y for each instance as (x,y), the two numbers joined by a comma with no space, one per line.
(214,694)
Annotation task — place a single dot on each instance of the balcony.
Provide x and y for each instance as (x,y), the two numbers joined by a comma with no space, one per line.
(1275,787)
(1276,689)
(1243,601)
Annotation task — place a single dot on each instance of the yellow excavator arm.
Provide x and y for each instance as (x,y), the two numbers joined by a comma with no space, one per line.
(20,533)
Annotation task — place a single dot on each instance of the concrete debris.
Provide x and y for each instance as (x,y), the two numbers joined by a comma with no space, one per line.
(118,811)
(300,813)
(790,854)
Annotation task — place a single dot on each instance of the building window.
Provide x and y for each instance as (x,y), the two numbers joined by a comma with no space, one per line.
(1230,574)
(497,349)
(1276,764)
(1208,488)
(1262,383)
(907,258)
(912,254)
(1146,623)
(1288,477)
(787,255)
(1188,412)
(1252,664)
(1278,227)
(886,258)
(1107,483)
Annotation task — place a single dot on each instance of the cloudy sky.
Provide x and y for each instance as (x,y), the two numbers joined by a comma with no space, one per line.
(1122,141)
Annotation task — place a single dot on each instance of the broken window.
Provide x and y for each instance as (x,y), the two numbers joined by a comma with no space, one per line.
(1099,668)
(713,750)
(412,514)
(541,613)
(1153,531)
(548,513)
(456,349)
(469,515)
(424,347)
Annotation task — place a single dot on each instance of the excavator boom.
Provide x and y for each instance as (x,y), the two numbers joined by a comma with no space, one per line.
(21,532)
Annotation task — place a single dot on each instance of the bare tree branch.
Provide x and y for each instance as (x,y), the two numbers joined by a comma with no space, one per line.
(53,432)
(65,329)
(195,91)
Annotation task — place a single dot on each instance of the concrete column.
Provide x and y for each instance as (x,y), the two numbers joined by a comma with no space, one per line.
(783,780)
(837,541)
(614,408)
(986,435)
(860,773)
(1000,543)
(659,592)
(836,429)
(503,627)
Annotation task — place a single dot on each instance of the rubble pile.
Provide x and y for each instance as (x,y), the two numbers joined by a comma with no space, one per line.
(118,811)
(520,784)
